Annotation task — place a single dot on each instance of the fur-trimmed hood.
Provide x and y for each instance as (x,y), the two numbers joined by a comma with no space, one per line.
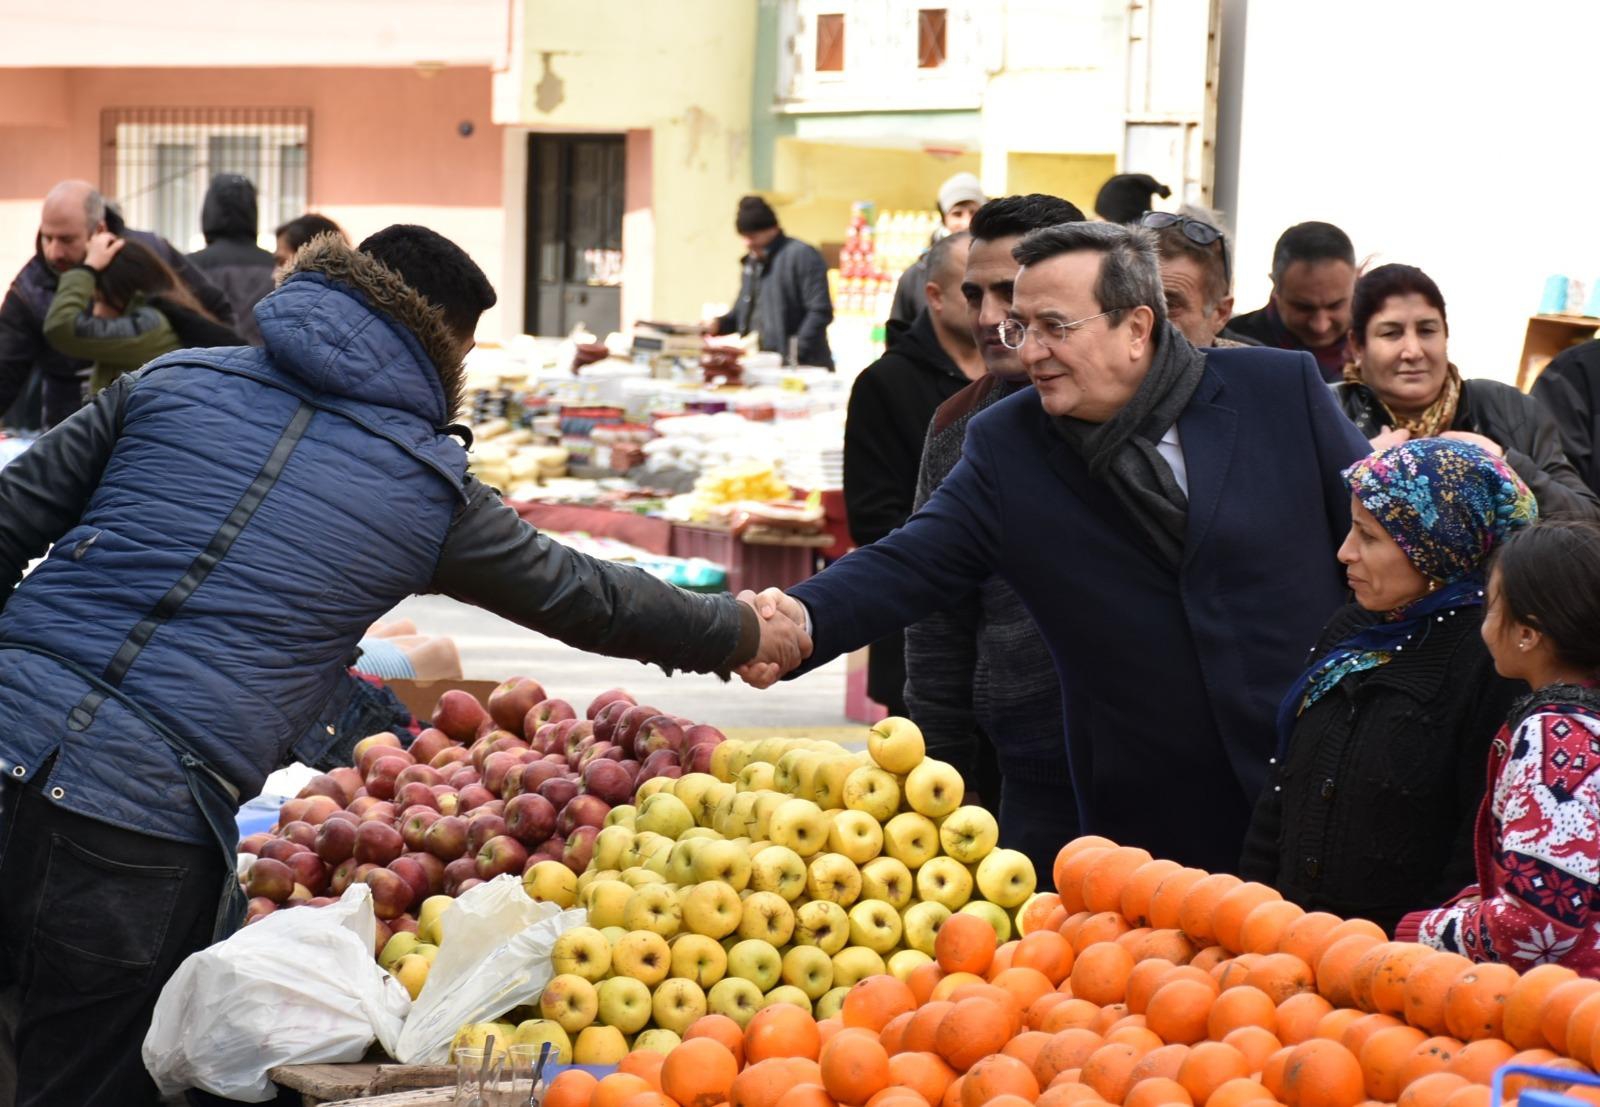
(349,325)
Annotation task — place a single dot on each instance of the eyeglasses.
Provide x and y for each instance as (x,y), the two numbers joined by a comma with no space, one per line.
(1201,234)
(1013,335)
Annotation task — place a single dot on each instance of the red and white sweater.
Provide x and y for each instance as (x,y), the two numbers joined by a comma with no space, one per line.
(1537,899)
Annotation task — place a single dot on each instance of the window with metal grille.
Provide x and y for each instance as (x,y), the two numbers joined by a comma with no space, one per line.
(156,163)
(830,43)
(930,37)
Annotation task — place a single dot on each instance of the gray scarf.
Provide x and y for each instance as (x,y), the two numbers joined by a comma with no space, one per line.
(1122,451)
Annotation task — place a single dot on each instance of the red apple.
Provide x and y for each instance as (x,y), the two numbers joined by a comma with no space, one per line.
(695,759)
(378,843)
(292,810)
(559,790)
(548,712)
(324,785)
(280,849)
(433,867)
(502,854)
(254,842)
(449,801)
(554,849)
(455,755)
(611,695)
(413,874)
(655,765)
(358,806)
(336,841)
(580,848)
(482,826)
(530,818)
(343,875)
(658,733)
(257,909)
(467,885)
(270,879)
(496,767)
(446,839)
(608,781)
(383,811)
(420,774)
(349,779)
(702,734)
(630,723)
(605,720)
(414,824)
(584,810)
(463,775)
(430,744)
(381,935)
(459,715)
(320,808)
(510,702)
(462,868)
(405,923)
(376,754)
(391,895)
(383,776)
(309,871)
(474,796)
(537,773)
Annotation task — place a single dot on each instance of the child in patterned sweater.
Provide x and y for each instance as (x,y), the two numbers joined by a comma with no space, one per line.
(1537,899)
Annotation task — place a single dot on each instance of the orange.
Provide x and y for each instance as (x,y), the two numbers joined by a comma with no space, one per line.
(1198,908)
(1476,1095)
(1426,987)
(1478,1060)
(1298,1017)
(874,1000)
(1281,975)
(1109,1017)
(855,1066)
(764,1083)
(1038,908)
(1001,998)
(719,1028)
(965,943)
(1024,984)
(1383,1055)
(1431,1090)
(893,1033)
(1179,1009)
(1227,921)
(1231,973)
(617,1087)
(1336,968)
(1334,1024)
(1558,1009)
(1068,1095)
(1107,1070)
(1069,876)
(924,1073)
(1152,980)
(1241,1006)
(1130,940)
(1072,849)
(1027,1046)
(1263,928)
(645,1063)
(1365,968)
(1167,900)
(572,1088)
(699,1072)
(1039,1008)
(952,1094)
(1102,884)
(1161,1061)
(919,1032)
(1388,986)
(1100,974)
(1525,1004)
(1209,1066)
(894,1096)
(1002,959)
(1344,929)
(1302,936)
(1238,1092)
(1430,1055)
(1140,886)
(1360,1029)
(1158,1091)
(1102,926)
(806,1095)
(648,1099)
(1069,927)
(1073,1014)
(970,1031)
(1068,1049)
(923,979)
(1321,1073)
(828,1028)
(1581,1029)
(1141,1038)
(1047,952)
(1476,999)
(996,1076)
(783,1030)
(952,982)
(1255,1043)
(1273,1072)
(1007,1100)
(1165,945)
(1209,958)
(1514,1086)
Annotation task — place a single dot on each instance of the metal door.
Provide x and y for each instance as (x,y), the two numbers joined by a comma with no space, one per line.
(574,256)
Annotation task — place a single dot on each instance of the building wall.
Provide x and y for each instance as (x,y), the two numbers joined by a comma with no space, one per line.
(385,144)
(683,72)
(1471,156)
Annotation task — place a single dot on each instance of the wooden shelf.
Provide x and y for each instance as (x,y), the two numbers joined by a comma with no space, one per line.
(1547,336)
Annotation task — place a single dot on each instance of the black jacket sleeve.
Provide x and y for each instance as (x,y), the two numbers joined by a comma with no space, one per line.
(493,559)
(812,280)
(878,482)
(1541,462)
(44,491)
(1567,403)
(21,347)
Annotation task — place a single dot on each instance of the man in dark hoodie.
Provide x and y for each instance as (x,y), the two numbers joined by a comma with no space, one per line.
(231,258)
(74,211)
(890,406)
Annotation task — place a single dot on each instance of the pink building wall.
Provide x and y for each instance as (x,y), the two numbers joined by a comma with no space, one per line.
(385,145)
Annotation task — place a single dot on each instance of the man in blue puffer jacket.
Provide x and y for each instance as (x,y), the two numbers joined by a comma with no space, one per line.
(221,528)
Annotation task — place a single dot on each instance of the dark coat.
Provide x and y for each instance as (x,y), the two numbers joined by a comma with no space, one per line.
(783,295)
(1569,389)
(1170,681)
(231,258)
(1516,422)
(222,529)
(23,349)
(891,404)
(910,297)
(1371,813)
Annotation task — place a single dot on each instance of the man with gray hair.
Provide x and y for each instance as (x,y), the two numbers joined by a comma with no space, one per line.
(1169,515)
(74,211)
(1197,274)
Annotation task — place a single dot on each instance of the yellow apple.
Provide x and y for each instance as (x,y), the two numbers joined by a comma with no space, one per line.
(736,998)
(657,1039)
(724,862)
(434,907)
(624,1003)
(712,909)
(677,1003)
(855,963)
(934,788)
(787,993)
(538,1031)
(653,907)
(643,955)
(1006,877)
(876,925)
(809,969)
(398,946)
(767,916)
(756,961)
(896,744)
(827,787)
(994,915)
(571,1001)
(968,834)
(922,922)
(754,777)
(621,815)
(911,839)
(869,788)
(599,1045)
(833,877)
(829,1004)
(778,869)
(722,758)
(944,880)
(582,951)
(856,835)
(609,846)
(889,880)
(824,924)
(412,972)
(698,958)
(606,900)
(903,963)
(665,814)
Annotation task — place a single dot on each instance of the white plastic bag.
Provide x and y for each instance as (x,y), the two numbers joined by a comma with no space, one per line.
(297,987)
(494,954)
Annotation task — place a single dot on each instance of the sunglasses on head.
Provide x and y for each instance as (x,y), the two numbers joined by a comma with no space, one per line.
(1201,234)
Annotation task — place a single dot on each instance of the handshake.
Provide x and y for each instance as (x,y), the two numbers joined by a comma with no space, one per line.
(784,641)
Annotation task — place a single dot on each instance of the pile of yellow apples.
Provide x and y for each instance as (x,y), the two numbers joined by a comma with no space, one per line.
(791,870)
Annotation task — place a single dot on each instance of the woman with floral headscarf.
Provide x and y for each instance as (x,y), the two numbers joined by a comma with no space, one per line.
(1382,741)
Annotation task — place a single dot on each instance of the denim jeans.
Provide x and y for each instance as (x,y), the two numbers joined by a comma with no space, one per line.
(97,918)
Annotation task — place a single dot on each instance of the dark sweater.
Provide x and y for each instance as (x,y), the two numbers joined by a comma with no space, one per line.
(1569,389)
(1371,810)
(891,403)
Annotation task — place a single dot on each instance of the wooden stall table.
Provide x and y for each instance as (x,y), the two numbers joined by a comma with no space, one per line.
(368,1082)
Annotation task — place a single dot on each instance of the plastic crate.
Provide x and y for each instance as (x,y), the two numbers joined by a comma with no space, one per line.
(1542,1097)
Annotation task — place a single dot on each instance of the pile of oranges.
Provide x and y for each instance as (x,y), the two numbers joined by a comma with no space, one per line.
(1143,984)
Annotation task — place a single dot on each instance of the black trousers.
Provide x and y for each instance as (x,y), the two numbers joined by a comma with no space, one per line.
(96,920)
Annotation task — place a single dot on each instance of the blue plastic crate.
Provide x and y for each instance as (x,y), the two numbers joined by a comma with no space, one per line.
(1542,1097)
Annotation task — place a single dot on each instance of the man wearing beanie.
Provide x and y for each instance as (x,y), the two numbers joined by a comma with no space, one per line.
(959,197)
(783,291)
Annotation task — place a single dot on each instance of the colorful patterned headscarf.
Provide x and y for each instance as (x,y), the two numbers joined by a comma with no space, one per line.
(1445,503)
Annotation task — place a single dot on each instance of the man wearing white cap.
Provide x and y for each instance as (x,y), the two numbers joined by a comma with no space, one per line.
(959,197)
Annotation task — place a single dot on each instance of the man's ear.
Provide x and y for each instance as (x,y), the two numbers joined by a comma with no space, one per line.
(1141,330)
(1223,311)
(935,297)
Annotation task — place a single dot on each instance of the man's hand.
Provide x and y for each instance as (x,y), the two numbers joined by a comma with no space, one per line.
(102,248)
(784,642)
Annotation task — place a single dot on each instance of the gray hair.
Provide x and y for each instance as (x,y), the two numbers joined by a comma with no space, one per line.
(1130,271)
(94,208)
(1213,261)
(938,266)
